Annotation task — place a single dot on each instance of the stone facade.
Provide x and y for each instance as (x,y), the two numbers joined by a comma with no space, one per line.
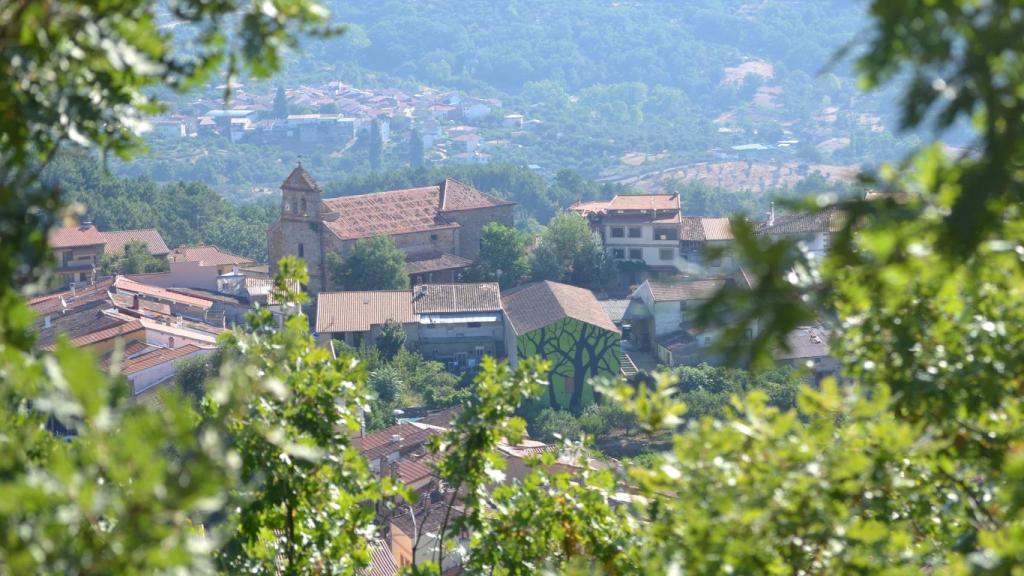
(309,228)
(472,223)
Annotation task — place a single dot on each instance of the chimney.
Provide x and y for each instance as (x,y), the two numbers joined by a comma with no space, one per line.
(396,438)
(72,289)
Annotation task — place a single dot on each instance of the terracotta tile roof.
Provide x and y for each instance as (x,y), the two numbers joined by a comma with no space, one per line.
(659,217)
(102,335)
(537,305)
(382,562)
(131,286)
(51,303)
(702,229)
(75,237)
(207,255)
(385,213)
(402,211)
(435,298)
(424,262)
(382,442)
(411,471)
(357,311)
(829,220)
(645,202)
(585,208)
(458,196)
(804,342)
(686,290)
(116,241)
(300,179)
(161,356)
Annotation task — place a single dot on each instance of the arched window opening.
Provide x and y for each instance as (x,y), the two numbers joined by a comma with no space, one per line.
(303,204)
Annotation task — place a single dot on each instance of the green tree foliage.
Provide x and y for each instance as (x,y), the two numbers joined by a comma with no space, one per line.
(375,146)
(129,493)
(569,251)
(554,425)
(135,259)
(386,381)
(502,256)
(183,213)
(192,374)
(280,103)
(391,339)
(297,508)
(372,264)
(415,149)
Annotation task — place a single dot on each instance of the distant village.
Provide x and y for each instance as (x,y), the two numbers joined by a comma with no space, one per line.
(450,123)
(145,325)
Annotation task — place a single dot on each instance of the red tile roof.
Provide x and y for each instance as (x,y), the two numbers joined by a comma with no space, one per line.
(103,335)
(357,311)
(685,290)
(69,300)
(122,283)
(116,241)
(300,179)
(434,262)
(703,229)
(458,196)
(402,211)
(537,305)
(75,237)
(382,442)
(207,255)
(411,471)
(645,202)
(828,220)
(161,356)
(441,298)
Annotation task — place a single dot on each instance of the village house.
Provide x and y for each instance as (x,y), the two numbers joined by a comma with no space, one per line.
(807,347)
(79,250)
(813,230)
(639,228)
(662,314)
(457,324)
(438,227)
(196,267)
(567,326)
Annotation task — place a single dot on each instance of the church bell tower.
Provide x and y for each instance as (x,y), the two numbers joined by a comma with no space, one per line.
(297,231)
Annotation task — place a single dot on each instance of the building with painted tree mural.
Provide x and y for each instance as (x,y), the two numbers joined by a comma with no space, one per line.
(567,326)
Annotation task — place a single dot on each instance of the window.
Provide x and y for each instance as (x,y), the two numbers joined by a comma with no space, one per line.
(473,324)
(666,234)
(433,237)
(303,203)
(302,251)
(618,232)
(618,254)
(636,232)
(682,305)
(666,254)
(636,254)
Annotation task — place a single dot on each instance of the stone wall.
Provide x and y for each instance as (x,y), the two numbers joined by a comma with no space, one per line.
(284,239)
(473,222)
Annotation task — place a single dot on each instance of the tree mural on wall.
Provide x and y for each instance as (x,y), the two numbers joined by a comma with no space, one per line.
(578,351)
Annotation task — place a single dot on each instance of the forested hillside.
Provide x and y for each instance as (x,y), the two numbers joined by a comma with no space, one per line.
(608,89)
(183,212)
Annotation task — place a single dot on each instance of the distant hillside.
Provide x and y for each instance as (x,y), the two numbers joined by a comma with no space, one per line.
(616,91)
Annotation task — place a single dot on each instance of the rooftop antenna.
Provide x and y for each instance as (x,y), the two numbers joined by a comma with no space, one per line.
(299,156)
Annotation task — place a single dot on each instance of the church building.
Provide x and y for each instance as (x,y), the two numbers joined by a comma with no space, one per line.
(438,227)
